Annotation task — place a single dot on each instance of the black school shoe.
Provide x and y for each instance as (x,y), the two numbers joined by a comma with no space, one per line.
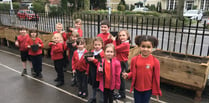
(24,72)
(38,75)
(32,71)
(56,79)
(119,96)
(92,100)
(84,95)
(59,83)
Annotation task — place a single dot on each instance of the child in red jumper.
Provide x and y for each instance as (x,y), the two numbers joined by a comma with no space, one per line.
(57,49)
(59,29)
(78,24)
(35,45)
(93,62)
(145,71)
(109,73)
(105,35)
(80,66)
(20,42)
(122,52)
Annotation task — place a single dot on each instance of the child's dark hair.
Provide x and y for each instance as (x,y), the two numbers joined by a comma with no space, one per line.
(140,39)
(23,28)
(105,22)
(33,31)
(80,41)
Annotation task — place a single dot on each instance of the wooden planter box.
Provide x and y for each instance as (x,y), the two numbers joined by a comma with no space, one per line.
(185,71)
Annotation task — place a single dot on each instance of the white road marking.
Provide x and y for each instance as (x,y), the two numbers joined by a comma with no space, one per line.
(128,97)
(43,82)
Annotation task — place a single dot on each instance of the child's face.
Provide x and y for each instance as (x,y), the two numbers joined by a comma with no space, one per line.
(33,35)
(73,38)
(59,28)
(109,53)
(78,25)
(104,28)
(80,46)
(97,45)
(23,32)
(123,36)
(146,48)
(56,39)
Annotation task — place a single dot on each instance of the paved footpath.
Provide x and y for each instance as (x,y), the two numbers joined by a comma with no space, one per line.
(17,89)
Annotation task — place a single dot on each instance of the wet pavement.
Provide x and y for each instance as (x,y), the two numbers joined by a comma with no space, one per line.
(17,89)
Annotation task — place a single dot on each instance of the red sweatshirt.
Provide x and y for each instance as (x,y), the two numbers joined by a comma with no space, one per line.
(105,39)
(145,73)
(80,32)
(56,51)
(64,35)
(77,64)
(31,42)
(22,40)
(122,51)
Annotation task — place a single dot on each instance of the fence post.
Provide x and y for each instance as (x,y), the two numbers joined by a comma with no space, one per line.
(98,23)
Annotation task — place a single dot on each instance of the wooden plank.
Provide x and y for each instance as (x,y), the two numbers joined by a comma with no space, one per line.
(184,72)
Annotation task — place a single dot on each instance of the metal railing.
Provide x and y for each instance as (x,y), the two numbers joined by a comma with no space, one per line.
(174,35)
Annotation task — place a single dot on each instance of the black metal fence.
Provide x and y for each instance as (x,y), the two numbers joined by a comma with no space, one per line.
(187,36)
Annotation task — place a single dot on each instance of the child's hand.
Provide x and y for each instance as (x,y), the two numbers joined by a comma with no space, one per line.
(90,58)
(17,43)
(125,75)
(62,32)
(111,37)
(39,45)
(100,69)
(71,29)
(74,44)
(28,46)
(74,71)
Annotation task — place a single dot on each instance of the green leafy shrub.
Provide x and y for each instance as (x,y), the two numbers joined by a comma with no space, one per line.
(38,7)
(132,7)
(6,6)
(121,8)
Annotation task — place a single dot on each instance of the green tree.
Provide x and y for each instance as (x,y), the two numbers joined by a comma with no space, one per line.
(180,9)
(38,5)
(86,4)
(64,5)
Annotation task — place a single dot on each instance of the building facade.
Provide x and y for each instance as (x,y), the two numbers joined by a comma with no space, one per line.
(168,4)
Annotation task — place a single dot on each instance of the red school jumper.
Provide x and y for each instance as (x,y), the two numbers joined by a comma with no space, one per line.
(31,42)
(105,39)
(77,64)
(56,51)
(80,32)
(22,39)
(122,51)
(64,35)
(145,73)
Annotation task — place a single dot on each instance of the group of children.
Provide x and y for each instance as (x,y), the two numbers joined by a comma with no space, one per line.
(104,68)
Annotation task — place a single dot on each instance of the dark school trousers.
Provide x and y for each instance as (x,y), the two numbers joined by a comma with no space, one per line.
(82,81)
(37,63)
(142,97)
(65,59)
(124,68)
(108,95)
(58,64)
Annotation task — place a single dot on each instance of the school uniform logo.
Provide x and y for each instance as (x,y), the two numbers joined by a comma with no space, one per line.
(147,66)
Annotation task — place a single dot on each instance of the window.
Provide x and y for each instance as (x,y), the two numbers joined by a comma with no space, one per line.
(171,4)
(205,5)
